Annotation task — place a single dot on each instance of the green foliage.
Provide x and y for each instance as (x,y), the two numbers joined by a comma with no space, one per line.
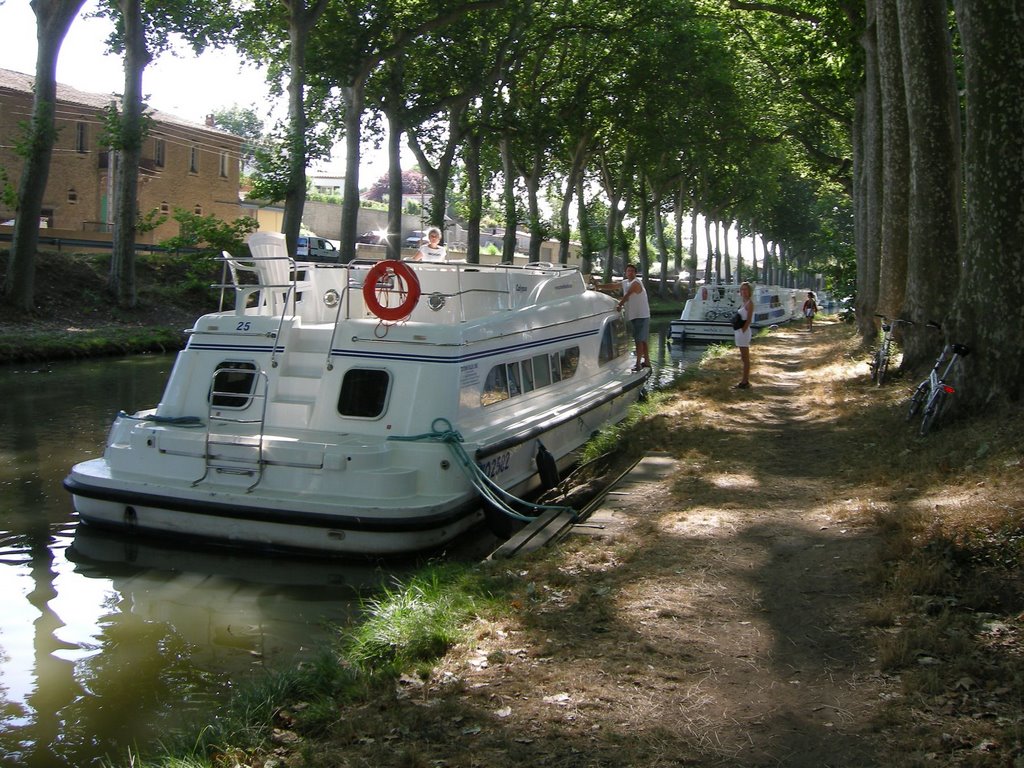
(150,220)
(8,194)
(113,134)
(202,238)
(210,233)
(243,122)
(271,170)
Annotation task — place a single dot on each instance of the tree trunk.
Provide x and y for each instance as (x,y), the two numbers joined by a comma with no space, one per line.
(394,243)
(354,97)
(892,276)
(642,221)
(53,18)
(989,313)
(508,243)
(129,155)
(933,114)
(871,144)
(726,256)
(583,221)
(475,195)
(295,191)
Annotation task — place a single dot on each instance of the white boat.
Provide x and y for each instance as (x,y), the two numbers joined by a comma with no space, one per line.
(364,408)
(707,316)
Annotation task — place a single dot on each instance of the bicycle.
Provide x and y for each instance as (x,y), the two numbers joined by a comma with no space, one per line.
(934,392)
(880,363)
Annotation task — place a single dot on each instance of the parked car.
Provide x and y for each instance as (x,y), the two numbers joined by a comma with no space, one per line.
(311,248)
(416,238)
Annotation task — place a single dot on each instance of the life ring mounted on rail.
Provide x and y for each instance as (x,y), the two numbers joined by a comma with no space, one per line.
(400,281)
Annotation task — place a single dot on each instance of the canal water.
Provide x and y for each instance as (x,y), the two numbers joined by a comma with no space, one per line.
(107,643)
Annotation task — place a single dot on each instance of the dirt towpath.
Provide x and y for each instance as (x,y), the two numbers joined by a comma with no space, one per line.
(711,614)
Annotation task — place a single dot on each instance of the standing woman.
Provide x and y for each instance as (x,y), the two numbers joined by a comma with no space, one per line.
(810,308)
(432,250)
(742,334)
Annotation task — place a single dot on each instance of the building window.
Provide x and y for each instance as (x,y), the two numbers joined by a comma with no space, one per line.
(164,207)
(223,165)
(81,138)
(198,210)
(72,196)
(159,150)
(193,162)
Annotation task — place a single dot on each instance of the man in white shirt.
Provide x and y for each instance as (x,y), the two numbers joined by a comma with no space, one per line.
(638,314)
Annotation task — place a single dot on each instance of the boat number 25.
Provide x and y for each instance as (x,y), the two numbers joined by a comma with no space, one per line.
(494,467)
(243,326)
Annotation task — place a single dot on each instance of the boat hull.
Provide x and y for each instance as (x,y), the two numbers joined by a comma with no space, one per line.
(706,317)
(317,522)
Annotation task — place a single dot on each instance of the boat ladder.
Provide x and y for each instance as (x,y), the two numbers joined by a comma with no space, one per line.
(234,438)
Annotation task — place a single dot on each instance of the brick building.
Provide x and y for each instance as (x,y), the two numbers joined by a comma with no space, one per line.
(184,165)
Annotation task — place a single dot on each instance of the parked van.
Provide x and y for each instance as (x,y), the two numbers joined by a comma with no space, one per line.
(312,248)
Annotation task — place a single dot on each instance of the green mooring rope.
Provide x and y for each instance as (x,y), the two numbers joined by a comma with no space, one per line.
(492,493)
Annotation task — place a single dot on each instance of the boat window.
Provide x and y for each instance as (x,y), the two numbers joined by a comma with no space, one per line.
(233,384)
(614,341)
(496,386)
(507,380)
(541,371)
(364,393)
(513,379)
(570,360)
(527,376)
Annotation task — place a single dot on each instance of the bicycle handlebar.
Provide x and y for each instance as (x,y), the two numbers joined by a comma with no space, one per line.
(896,320)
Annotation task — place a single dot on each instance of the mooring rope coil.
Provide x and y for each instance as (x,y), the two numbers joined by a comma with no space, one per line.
(492,493)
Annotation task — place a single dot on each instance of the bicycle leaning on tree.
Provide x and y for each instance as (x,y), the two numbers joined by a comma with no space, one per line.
(935,391)
(880,362)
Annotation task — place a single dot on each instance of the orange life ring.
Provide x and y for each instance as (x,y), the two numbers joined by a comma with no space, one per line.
(404,283)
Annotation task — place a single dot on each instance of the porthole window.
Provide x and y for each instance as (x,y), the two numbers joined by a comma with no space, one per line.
(364,393)
(234,384)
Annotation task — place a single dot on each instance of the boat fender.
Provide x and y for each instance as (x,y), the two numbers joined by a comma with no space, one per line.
(547,467)
(401,280)
(703,294)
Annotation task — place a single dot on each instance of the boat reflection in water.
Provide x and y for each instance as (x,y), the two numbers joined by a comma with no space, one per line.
(232,609)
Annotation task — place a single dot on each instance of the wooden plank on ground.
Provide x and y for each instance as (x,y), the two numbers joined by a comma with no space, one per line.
(539,532)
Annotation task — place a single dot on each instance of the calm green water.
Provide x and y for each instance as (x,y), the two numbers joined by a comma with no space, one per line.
(107,643)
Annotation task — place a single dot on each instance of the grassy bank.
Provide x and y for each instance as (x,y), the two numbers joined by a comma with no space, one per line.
(631,650)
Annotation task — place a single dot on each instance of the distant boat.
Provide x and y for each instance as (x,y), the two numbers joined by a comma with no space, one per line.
(708,315)
(364,408)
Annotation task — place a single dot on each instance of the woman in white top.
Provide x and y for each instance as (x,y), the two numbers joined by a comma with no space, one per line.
(742,334)
(432,250)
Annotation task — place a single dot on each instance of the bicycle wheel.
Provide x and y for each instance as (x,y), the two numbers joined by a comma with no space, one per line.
(917,399)
(932,412)
(882,365)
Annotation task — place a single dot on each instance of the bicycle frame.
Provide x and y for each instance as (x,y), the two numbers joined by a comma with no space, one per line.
(880,363)
(934,391)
